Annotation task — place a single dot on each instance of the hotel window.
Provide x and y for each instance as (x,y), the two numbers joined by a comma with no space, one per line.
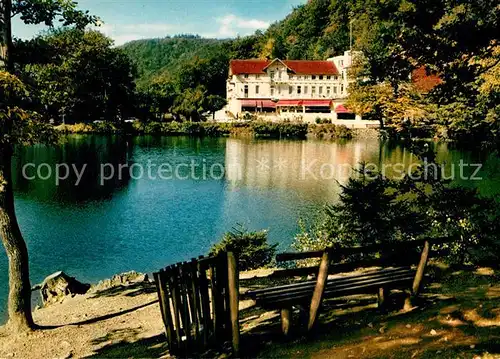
(334,89)
(257,89)
(341,88)
(271,75)
(272,90)
(328,77)
(290,90)
(320,90)
(328,90)
(246,90)
(299,90)
(321,77)
(335,77)
(290,77)
(313,90)
(245,76)
(313,77)
(305,90)
(279,75)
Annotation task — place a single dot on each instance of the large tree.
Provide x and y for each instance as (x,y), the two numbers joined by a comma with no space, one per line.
(80,76)
(19,126)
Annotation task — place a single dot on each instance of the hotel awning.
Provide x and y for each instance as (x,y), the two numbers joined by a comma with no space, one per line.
(342,109)
(258,103)
(289,103)
(317,103)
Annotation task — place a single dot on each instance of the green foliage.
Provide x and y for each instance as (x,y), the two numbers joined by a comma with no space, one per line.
(81,77)
(375,209)
(251,248)
(320,120)
(17,124)
(165,57)
(46,12)
(329,131)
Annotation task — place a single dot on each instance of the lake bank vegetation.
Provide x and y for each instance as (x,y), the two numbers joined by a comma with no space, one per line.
(262,129)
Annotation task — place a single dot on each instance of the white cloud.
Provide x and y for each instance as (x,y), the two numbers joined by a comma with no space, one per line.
(129,32)
(232,25)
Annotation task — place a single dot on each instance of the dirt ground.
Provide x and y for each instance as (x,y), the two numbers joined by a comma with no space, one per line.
(458,317)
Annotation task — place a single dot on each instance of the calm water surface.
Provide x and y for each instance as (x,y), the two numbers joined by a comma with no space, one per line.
(92,231)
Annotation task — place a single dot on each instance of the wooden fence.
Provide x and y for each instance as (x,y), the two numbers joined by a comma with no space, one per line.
(199,304)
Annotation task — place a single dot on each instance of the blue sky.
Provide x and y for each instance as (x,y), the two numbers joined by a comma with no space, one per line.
(135,19)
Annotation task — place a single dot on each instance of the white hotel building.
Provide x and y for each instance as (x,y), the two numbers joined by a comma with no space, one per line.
(290,89)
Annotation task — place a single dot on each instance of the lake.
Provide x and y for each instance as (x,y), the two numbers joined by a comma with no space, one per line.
(140,203)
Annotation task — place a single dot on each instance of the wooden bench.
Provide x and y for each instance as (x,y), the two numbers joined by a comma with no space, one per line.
(392,269)
(199,304)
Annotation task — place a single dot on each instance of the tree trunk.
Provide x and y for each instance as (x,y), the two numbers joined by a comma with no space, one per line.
(20,317)
(5,35)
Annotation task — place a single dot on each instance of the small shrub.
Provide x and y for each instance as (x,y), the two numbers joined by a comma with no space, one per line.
(280,129)
(330,131)
(103,127)
(251,248)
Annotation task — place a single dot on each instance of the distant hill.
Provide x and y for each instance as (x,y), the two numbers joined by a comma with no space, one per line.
(314,31)
(163,56)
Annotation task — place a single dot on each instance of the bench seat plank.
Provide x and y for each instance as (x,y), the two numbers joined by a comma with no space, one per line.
(339,280)
(277,297)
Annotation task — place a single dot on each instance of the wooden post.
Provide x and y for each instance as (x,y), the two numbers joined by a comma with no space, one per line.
(165,306)
(195,310)
(286,319)
(420,269)
(205,304)
(186,323)
(320,288)
(381,297)
(176,303)
(417,282)
(233,288)
(214,297)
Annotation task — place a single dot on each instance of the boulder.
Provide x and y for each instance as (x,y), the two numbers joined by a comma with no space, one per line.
(58,285)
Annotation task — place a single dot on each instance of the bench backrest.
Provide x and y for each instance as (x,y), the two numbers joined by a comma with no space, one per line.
(199,303)
(383,254)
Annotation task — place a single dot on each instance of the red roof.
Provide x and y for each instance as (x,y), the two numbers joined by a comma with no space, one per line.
(301,67)
(312,67)
(247,66)
(425,82)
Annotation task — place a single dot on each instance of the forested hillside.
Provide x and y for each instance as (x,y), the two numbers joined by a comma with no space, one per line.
(157,56)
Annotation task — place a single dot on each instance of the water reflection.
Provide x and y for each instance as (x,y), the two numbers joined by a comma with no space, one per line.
(314,169)
(80,180)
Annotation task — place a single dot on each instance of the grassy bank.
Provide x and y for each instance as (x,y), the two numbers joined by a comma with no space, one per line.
(215,129)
